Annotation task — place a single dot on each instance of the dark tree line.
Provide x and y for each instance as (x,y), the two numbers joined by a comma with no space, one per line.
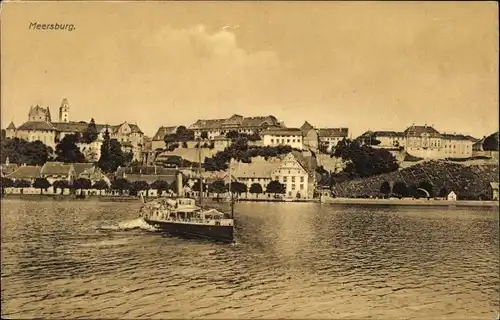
(240,151)
(363,160)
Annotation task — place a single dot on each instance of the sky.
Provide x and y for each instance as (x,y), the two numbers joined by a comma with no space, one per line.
(361,65)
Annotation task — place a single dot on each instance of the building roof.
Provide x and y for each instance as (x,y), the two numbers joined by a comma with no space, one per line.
(145,170)
(71,126)
(150,178)
(162,132)
(333,132)
(304,163)
(282,132)
(56,168)
(36,125)
(11,126)
(82,167)
(456,137)
(494,185)
(235,121)
(26,172)
(306,127)
(259,168)
(7,169)
(388,134)
(419,130)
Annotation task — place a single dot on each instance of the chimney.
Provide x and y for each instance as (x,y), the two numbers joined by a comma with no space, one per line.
(179,184)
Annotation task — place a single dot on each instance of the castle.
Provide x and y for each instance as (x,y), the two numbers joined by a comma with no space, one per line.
(40,127)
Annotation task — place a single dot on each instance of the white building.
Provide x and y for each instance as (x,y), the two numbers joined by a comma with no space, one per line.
(426,142)
(283,137)
(295,176)
(40,127)
(258,171)
(248,125)
(452,196)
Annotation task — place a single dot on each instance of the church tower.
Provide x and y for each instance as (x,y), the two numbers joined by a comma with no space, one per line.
(64,111)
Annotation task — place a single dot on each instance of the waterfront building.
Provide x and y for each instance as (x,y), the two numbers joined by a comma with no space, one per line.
(258,171)
(494,191)
(248,125)
(298,180)
(25,172)
(274,137)
(41,127)
(452,196)
(53,171)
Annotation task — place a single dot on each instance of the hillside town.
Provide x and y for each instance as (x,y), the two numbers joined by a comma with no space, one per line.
(259,154)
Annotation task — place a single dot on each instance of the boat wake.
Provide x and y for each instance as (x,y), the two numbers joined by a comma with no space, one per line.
(138,223)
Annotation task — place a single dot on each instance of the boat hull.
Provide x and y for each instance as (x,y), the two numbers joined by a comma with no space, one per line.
(217,233)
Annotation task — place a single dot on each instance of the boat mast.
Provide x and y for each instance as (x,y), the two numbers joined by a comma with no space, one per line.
(199,172)
(230,190)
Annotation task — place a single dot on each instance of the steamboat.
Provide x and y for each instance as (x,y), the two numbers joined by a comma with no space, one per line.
(184,217)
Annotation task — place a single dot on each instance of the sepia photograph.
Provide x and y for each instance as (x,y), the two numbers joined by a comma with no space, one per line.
(249,159)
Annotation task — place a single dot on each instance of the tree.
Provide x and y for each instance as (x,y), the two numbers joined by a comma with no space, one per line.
(20,151)
(385,188)
(443,193)
(196,186)
(275,187)
(90,134)
(6,183)
(160,186)
(41,183)
(3,135)
(490,143)
(21,183)
(112,155)
(67,150)
(400,189)
(127,158)
(60,184)
(237,187)
(217,187)
(81,184)
(100,185)
(204,135)
(137,186)
(120,184)
(256,188)
(233,134)
(363,160)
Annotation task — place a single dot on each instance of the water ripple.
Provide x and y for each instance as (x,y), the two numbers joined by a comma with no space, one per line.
(98,260)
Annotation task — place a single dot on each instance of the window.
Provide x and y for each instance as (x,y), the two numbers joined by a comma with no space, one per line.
(301,179)
(284,179)
(272,140)
(301,186)
(293,179)
(293,186)
(293,140)
(277,178)
(288,140)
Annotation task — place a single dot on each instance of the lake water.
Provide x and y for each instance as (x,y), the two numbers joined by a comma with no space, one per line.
(72,259)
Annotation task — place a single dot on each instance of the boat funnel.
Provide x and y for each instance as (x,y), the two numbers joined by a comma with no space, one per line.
(179,184)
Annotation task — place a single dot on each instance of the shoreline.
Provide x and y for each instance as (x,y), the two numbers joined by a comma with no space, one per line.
(333,201)
(412,202)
